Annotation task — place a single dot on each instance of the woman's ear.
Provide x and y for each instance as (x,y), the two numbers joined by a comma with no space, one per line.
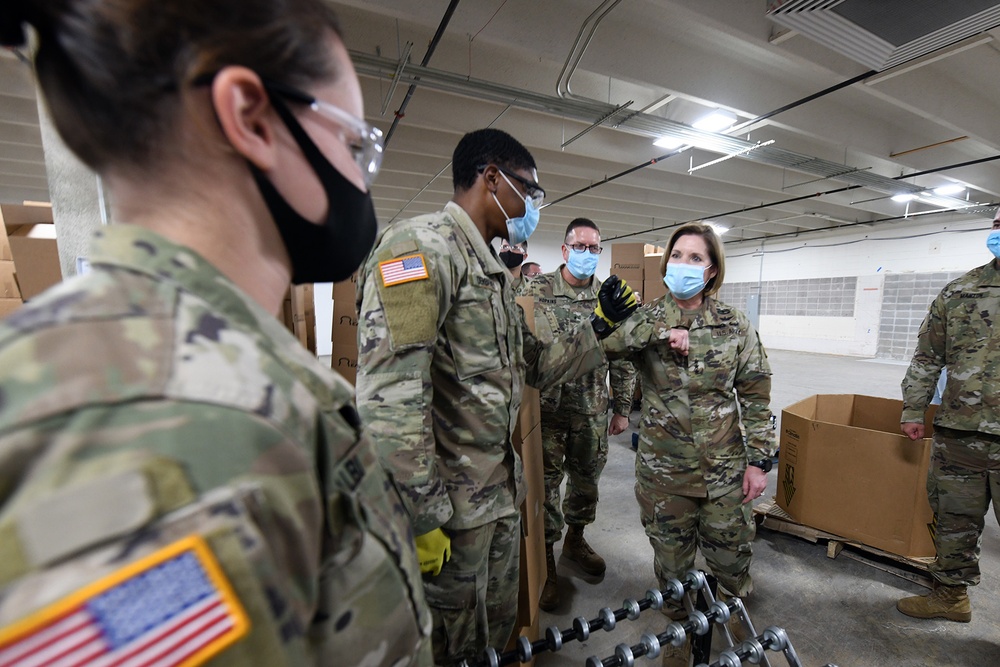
(245,115)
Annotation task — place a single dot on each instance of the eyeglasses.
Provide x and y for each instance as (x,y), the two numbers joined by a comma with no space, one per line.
(366,143)
(592,249)
(512,248)
(532,190)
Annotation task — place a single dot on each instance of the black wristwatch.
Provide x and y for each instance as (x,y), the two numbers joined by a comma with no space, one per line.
(763,464)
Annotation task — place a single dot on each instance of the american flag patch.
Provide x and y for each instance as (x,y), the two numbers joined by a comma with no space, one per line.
(403,270)
(171,608)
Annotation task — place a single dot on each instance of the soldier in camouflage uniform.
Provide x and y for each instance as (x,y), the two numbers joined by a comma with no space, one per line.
(703,371)
(575,414)
(443,354)
(960,334)
(179,479)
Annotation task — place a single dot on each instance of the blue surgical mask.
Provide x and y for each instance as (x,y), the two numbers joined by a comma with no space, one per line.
(993,243)
(519,229)
(685,280)
(582,263)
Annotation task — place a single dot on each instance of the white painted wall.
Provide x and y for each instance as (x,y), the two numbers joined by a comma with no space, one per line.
(956,244)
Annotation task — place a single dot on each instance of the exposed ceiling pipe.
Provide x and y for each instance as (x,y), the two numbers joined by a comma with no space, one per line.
(580,47)
(643,124)
(977,209)
(401,111)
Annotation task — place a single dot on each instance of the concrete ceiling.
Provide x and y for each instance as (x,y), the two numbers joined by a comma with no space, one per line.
(676,60)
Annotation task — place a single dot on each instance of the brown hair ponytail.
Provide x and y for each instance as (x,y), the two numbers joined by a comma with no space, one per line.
(111,70)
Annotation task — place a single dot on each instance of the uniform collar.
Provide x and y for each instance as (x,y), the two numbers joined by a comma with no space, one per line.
(707,315)
(563,288)
(146,252)
(487,255)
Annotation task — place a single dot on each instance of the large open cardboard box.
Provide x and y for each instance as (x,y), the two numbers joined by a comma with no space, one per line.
(845,468)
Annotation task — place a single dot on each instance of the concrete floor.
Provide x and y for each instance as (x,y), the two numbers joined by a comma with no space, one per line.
(834,610)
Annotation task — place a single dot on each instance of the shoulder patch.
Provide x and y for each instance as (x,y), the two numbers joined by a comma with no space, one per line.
(403,270)
(404,248)
(174,607)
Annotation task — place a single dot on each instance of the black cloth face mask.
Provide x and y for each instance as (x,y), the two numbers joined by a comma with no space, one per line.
(333,249)
(511,259)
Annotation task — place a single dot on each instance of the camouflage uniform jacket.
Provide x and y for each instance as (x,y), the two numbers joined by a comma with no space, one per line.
(961,333)
(690,437)
(442,363)
(559,309)
(150,400)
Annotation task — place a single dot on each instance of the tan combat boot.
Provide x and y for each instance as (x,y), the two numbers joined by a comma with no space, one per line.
(677,656)
(577,550)
(948,602)
(550,592)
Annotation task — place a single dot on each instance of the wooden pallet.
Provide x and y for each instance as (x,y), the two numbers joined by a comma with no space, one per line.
(769,515)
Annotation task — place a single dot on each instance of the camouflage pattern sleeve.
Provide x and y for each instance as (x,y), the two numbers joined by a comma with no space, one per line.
(623,377)
(752,383)
(928,359)
(638,331)
(565,358)
(398,328)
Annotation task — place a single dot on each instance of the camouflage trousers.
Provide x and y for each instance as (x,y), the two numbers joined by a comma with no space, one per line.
(474,600)
(964,476)
(721,527)
(574,446)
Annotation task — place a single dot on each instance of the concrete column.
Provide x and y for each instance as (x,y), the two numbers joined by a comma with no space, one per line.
(75,194)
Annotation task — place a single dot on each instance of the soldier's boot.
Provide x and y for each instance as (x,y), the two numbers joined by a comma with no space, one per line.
(577,550)
(735,624)
(677,656)
(550,592)
(948,602)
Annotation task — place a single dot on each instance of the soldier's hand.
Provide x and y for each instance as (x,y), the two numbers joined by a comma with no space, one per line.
(913,430)
(679,340)
(615,302)
(618,424)
(433,551)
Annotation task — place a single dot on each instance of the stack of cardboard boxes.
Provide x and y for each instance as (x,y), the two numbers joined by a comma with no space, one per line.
(298,314)
(29,258)
(344,334)
(638,264)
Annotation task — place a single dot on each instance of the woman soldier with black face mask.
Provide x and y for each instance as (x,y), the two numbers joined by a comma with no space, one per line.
(179,480)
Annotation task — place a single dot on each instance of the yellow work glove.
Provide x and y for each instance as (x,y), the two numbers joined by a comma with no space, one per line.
(615,302)
(433,550)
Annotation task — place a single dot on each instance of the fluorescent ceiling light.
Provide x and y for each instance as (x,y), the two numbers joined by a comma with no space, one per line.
(669,143)
(719,228)
(950,189)
(905,197)
(716,121)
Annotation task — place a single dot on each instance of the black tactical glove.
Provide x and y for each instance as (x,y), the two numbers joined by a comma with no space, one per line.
(615,302)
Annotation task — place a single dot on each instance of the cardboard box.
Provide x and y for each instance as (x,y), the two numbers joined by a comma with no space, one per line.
(304,316)
(5,255)
(632,278)
(8,306)
(344,360)
(651,267)
(652,290)
(345,289)
(845,468)
(650,249)
(530,415)
(627,257)
(533,572)
(345,321)
(36,257)
(8,284)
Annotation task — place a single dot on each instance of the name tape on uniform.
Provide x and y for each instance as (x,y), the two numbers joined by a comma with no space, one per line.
(173,608)
(403,270)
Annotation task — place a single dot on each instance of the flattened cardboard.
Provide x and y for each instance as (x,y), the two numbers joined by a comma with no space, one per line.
(8,284)
(36,258)
(344,360)
(845,468)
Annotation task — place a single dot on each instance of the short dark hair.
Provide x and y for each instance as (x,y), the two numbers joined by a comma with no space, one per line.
(527,264)
(111,71)
(576,223)
(481,148)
